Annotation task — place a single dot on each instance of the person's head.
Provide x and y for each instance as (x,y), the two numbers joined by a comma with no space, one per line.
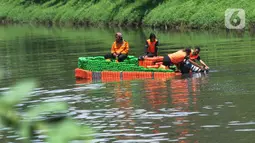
(188,51)
(196,50)
(118,37)
(152,37)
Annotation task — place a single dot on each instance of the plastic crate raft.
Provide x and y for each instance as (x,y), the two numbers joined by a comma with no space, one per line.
(94,68)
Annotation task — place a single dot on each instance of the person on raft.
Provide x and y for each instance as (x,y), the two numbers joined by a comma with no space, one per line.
(180,57)
(194,55)
(151,47)
(119,50)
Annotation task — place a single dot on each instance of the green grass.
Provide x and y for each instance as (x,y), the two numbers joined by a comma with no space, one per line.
(174,13)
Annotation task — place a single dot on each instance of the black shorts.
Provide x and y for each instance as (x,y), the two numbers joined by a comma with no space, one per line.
(167,61)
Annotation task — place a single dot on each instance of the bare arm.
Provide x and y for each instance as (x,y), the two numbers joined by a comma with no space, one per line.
(203,63)
(194,63)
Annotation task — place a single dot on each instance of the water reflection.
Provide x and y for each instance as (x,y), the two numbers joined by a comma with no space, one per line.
(165,109)
(184,94)
(156,93)
(123,94)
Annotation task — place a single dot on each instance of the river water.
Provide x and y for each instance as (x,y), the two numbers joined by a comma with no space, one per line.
(214,107)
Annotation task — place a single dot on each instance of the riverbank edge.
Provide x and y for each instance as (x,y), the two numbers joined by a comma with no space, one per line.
(169,26)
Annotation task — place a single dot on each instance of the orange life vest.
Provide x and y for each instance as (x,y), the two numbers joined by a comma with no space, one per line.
(151,46)
(177,57)
(122,48)
(193,57)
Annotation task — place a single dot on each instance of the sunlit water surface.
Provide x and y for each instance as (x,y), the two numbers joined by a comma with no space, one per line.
(214,107)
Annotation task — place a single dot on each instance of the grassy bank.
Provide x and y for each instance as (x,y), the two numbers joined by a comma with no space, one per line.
(159,13)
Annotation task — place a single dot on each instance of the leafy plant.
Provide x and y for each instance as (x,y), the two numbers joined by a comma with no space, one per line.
(49,117)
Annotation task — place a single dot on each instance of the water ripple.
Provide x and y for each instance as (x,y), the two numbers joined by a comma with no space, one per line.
(175,114)
(141,141)
(245,130)
(237,123)
(210,126)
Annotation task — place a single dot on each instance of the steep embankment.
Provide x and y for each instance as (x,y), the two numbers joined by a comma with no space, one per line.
(162,13)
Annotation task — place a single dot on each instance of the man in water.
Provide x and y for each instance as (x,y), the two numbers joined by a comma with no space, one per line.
(119,50)
(194,55)
(186,66)
(178,58)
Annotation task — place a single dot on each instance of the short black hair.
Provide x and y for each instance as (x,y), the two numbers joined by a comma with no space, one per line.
(187,50)
(198,48)
(152,35)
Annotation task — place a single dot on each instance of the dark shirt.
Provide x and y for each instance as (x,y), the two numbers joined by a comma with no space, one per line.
(198,58)
(186,59)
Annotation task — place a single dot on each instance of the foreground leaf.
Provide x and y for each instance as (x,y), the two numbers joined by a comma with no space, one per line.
(67,131)
(25,130)
(17,93)
(47,108)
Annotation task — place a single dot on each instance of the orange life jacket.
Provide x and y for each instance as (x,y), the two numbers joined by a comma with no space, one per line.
(177,57)
(193,57)
(122,48)
(151,46)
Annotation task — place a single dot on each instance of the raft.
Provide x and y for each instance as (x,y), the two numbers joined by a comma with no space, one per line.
(97,68)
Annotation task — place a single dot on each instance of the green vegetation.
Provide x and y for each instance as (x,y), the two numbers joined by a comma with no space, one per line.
(49,118)
(100,64)
(159,13)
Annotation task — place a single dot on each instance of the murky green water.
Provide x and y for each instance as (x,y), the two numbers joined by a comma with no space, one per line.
(214,107)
